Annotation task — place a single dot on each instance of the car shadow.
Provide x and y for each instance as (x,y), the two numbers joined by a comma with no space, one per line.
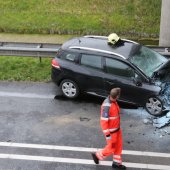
(86,98)
(81,99)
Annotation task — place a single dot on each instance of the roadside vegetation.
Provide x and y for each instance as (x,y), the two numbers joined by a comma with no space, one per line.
(131,18)
(25,69)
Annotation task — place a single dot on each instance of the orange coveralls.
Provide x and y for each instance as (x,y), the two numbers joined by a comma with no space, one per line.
(110,124)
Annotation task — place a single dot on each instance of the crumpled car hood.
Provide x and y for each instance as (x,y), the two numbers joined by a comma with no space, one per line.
(165,95)
(162,77)
(165,66)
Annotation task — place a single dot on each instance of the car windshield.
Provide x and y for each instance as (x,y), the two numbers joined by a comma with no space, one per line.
(147,60)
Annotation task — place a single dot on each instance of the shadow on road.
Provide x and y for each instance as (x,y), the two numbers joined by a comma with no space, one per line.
(92,99)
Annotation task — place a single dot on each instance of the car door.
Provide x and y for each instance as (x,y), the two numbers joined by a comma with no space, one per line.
(120,74)
(90,74)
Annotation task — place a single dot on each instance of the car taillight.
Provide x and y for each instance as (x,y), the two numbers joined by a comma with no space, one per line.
(55,63)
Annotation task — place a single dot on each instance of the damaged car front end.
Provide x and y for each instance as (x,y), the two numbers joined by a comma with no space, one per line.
(156,69)
(162,77)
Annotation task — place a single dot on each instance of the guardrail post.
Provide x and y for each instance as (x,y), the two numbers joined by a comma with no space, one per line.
(40,59)
(39,46)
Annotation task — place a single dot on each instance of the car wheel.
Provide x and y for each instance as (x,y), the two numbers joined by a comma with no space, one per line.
(154,106)
(69,88)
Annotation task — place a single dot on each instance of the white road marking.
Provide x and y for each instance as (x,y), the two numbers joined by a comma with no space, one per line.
(80,161)
(81,149)
(26,95)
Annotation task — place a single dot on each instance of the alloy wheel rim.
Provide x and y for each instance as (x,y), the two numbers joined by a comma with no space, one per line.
(69,89)
(154,106)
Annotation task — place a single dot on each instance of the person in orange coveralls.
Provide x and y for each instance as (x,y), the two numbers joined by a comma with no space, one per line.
(110,124)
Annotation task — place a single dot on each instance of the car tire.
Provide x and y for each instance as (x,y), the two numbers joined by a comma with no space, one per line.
(69,88)
(154,106)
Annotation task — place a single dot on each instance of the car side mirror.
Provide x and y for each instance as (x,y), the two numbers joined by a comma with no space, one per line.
(137,81)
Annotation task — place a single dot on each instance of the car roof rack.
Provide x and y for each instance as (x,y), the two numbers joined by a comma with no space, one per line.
(96,36)
(97,50)
(130,41)
(105,38)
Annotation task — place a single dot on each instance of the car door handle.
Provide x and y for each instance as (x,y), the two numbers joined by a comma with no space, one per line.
(110,83)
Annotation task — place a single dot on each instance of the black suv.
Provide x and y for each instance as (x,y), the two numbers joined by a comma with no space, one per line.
(90,65)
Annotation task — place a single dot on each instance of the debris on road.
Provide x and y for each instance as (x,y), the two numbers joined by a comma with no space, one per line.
(162,121)
(84,119)
(158,122)
(147,121)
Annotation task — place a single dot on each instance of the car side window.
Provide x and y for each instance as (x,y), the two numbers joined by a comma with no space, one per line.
(119,68)
(67,56)
(93,61)
(70,57)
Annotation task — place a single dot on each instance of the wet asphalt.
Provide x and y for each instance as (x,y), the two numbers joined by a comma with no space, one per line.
(37,113)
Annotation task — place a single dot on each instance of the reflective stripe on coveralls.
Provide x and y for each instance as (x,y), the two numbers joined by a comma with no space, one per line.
(117,159)
(110,130)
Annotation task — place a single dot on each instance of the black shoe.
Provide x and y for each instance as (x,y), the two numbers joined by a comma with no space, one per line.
(96,160)
(116,166)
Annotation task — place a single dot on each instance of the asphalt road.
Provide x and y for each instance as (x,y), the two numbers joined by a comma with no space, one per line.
(41,130)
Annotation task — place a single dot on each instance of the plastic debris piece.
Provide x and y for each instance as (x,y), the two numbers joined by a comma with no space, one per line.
(162,121)
(147,121)
(168,115)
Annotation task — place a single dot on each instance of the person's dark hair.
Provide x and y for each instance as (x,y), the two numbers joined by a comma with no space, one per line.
(115,92)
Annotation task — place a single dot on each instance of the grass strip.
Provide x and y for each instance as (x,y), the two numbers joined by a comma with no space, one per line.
(126,17)
(25,69)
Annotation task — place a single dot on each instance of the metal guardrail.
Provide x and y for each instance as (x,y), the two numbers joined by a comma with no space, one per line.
(162,50)
(47,50)
(28,49)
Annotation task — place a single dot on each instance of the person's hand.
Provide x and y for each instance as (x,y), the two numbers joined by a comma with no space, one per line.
(108,137)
